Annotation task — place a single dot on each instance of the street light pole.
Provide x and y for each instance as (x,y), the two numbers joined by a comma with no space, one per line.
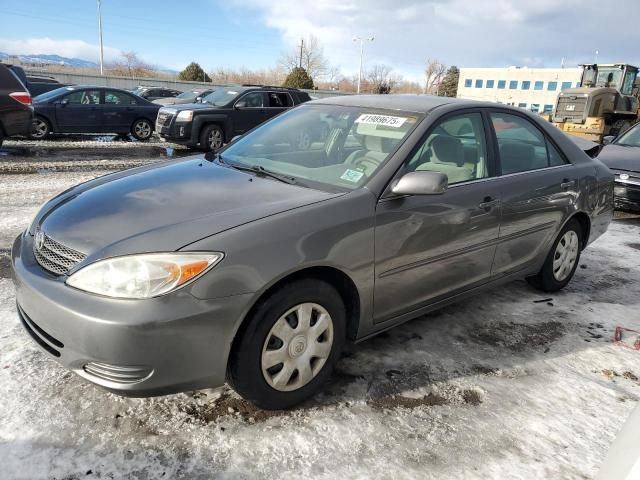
(361,40)
(100,37)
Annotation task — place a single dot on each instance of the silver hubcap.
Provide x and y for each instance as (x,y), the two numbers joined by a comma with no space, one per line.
(215,139)
(565,256)
(297,347)
(38,128)
(142,129)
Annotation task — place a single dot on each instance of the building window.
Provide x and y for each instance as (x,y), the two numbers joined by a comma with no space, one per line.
(502,84)
(552,86)
(548,109)
(478,83)
(535,107)
(522,105)
(489,83)
(513,84)
(467,82)
(526,85)
(538,85)
(565,85)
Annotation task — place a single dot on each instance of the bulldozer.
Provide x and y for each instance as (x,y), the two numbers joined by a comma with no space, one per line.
(605,104)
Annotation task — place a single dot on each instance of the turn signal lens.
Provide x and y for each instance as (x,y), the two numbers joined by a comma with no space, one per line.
(142,276)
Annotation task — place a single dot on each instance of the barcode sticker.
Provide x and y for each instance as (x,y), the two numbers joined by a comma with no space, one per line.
(383,120)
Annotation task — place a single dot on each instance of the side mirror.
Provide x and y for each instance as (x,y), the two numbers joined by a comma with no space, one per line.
(420,183)
(240,105)
(63,102)
(608,139)
(198,99)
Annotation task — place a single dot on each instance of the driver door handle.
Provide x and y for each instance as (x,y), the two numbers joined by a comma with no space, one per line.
(567,184)
(488,203)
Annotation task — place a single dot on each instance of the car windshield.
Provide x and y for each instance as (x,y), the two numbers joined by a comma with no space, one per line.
(221,97)
(51,94)
(631,137)
(188,95)
(324,146)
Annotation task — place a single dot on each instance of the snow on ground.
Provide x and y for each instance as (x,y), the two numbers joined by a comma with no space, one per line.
(509,384)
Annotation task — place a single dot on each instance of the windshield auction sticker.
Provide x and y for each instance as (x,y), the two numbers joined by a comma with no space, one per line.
(352,176)
(383,120)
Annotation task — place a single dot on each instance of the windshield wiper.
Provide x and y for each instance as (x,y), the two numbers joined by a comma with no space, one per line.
(257,169)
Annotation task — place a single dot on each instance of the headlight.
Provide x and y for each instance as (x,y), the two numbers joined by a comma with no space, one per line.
(185,115)
(142,276)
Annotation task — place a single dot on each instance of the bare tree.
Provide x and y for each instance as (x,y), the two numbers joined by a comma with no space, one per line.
(311,53)
(131,66)
(434,72)
(381,79)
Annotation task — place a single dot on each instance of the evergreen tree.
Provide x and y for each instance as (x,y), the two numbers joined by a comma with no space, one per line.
(449,85)
(194,73)
(298,78)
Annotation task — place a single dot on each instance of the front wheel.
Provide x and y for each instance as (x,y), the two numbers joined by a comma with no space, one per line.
(290,345)
(142,129)
(562,261)
(211,138)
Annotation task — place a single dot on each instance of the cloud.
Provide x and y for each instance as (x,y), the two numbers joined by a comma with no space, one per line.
(472,33)
(65,48)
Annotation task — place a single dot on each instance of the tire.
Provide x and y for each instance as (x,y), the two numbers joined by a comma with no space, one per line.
(552,278)
(40,128)
(211,138)
(142,129)
(1,137)
(265,385)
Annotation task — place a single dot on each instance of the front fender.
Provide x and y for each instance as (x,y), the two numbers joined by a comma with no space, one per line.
(200,120)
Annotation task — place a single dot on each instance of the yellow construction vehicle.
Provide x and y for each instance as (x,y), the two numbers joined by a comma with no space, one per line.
(606,103)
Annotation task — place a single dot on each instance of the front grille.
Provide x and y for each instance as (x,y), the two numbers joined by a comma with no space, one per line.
(164,119)
(55,257)
(42,338)
(570,109)
(117,373)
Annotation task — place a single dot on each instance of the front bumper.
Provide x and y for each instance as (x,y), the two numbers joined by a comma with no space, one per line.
(176,132)
(147,347)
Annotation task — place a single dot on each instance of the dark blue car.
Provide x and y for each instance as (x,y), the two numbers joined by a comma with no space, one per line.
(86,109)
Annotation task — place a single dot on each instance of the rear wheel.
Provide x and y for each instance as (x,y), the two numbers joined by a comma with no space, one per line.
(40,128)
(211,138)
(290,345)
(562,261)
(142,129)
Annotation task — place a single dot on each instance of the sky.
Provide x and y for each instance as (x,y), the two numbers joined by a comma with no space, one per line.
(255,33)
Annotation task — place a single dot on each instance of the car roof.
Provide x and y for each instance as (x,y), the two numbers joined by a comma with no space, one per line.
(408,103)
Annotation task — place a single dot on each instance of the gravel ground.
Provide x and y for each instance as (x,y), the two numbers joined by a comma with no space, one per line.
(508,384)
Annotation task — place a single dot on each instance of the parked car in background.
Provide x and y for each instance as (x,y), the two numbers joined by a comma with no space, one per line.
(256,264)
(16,111)
(155,93)
(190,96)
(225,113)
(85,109)
(36,84)
(622,155)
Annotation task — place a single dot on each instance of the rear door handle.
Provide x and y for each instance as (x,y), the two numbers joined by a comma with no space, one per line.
(488,203)
(566,184)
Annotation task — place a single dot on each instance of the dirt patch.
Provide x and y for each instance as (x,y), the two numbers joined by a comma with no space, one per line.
(448,396)
(5,267)
(228,405)
(630,376)
(518,336)
(634,245)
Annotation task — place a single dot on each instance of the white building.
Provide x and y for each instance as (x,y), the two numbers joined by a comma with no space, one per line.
(533,88)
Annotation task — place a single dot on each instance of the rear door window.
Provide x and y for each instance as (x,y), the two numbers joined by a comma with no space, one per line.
(279,100)
(521,146)
(84,97)
(117,98)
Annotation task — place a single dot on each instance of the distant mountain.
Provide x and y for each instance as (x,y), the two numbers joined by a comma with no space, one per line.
(50,60)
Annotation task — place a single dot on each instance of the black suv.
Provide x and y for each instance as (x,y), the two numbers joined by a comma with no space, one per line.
(16,111)
(225,113)
(155,93)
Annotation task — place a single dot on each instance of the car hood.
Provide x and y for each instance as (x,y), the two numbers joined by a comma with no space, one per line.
(165,207)
(619,157)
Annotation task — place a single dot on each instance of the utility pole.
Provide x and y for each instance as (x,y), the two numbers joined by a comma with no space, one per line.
(301,49)
(100,37)
(361,40)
